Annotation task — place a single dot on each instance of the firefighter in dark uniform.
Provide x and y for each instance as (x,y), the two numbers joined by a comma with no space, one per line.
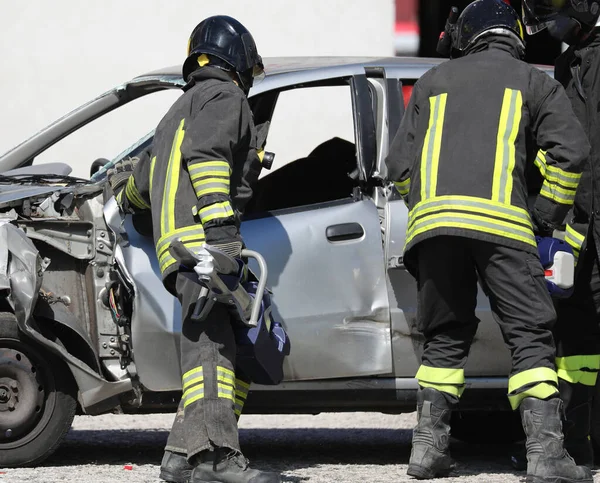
(205,158)
(471,130)
(577,331)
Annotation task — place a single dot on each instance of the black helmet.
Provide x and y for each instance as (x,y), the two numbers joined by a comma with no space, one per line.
(229,45)
(566,20)
(487,17)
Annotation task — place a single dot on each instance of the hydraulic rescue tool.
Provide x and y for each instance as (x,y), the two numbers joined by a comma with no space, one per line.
(262,343)
(444,45)
(559,265)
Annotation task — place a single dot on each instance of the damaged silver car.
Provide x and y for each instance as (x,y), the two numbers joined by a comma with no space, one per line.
(87,327)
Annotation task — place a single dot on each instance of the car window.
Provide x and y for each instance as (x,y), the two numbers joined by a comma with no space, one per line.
(110,134)
(312,136)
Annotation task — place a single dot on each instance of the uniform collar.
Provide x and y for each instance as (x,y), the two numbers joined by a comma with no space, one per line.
(205,73)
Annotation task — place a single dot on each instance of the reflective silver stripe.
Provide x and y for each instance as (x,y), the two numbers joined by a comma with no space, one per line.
(193,397)
(555,174)
(209,168)
(184,233)
(510,119)
(216,210)
(480,206)
(226,391)
(172,182)
(211,187)
(192,374)
(553,192)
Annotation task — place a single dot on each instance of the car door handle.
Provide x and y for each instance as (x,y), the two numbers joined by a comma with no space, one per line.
(344,231)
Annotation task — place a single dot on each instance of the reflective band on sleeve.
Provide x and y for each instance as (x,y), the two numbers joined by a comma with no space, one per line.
(554,174)
(193,396)
(585,378)
(191,236)
(152,165)
(575,240)
(403,187)
(226,392)
(215,211)
(134,195)
(209,168)
(540,391)
(167,220)
(531,376)
(195,372)
(208,186)
(430,156)
(557,194)
(508,129)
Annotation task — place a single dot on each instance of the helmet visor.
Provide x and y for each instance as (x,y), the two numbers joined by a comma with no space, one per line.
(537,13)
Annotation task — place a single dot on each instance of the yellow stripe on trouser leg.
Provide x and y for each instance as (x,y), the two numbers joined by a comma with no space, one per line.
(579,369)
(241,394)
(541,383)
(451,381)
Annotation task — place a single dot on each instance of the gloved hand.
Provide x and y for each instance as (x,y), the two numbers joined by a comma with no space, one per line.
(120,173)
(233,248)
(541,227)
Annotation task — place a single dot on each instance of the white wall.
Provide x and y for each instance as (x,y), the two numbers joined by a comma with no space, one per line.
(56,55)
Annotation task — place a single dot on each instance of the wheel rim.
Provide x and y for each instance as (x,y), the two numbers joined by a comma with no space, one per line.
(27,395)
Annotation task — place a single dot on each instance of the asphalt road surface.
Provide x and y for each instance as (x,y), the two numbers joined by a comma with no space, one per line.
(340,448)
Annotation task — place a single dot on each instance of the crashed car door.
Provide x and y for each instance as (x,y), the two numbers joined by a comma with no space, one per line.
(327,274)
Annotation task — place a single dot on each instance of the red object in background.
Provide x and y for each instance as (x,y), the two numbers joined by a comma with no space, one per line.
(406,92)
(128,467)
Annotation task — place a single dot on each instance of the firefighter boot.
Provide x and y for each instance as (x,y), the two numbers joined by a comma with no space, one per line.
(430,455)
(175,468)
(227,466)
(547,459)
(578,420)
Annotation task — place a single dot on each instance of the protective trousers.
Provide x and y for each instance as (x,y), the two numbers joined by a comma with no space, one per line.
(213,395)
(448,267)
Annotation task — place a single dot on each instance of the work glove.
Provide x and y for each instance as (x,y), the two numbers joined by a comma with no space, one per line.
(233,248)
(120,173)
(540,227)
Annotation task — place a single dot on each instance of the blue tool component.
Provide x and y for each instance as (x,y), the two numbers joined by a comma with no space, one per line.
(558,261)
(262,349)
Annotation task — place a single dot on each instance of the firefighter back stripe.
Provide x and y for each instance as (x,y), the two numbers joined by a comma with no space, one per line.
(508,129)
(430,156)
(172,182)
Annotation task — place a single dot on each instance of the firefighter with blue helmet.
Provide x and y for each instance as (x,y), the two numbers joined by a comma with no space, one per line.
(471,133)
(196,181)
(577,331)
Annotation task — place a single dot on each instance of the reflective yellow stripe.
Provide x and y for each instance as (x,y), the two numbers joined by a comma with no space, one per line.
(212,189)
(578,377)
(152,165)
(193,398)
(454,390)
(538,374)
(471,222)
(403,187)
(188,240)
(261,154)
(575,235)
(575,363)
(193,372)
(134,195)
(172,182)
(242,384)
(120,197)
(166,259)
(225,392)
(204,168)
(185,233)
(554,174)
(193,388)
(440,375)
(472,204)
(508,129)
(557,194)
(540,391)
(192,381)
(216,210)
(430,156)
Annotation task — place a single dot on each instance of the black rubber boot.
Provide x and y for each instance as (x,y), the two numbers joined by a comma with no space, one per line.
(175,468)
(228,466)
(430,455)
(547,459)
(577,399)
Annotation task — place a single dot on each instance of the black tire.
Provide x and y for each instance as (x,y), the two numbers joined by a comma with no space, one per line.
(483,427)
(42,393)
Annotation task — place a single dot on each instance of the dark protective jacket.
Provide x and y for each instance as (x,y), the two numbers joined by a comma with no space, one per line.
(578,70)
(203,165)
(471,130)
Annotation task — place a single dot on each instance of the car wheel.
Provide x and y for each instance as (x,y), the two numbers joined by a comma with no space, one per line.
(487,427)
(37,399)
